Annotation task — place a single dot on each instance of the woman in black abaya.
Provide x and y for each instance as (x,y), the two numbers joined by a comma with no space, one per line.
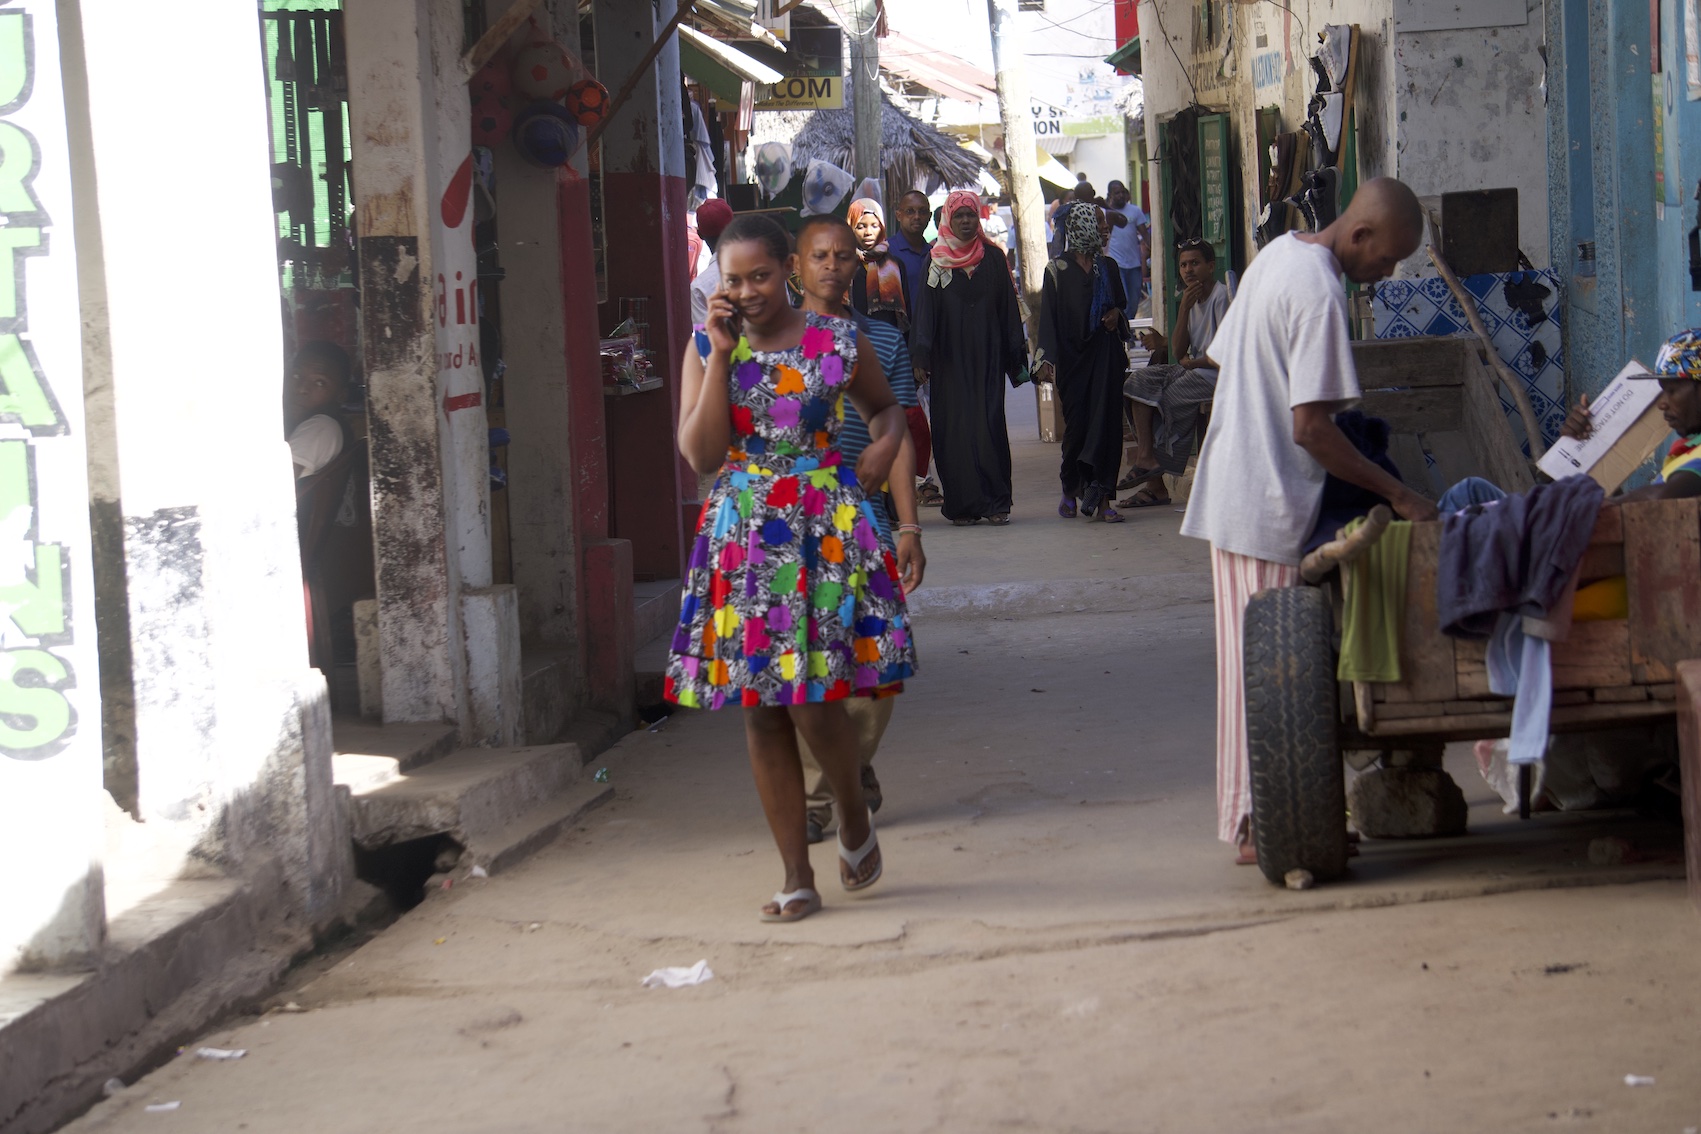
(967,339)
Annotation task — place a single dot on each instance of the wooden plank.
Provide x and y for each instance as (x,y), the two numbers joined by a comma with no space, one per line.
(1497,454)
(1364,705)
(1621,693)
(1609,527)
(1454,460)
(1665,691)
(1423,409)
(1482,726)
(1407,455)
(1406,711)
(1471,669)
(1600,561)
(1426,654)
(1402,363)
(1596,654)
(1572,697)
(1662,561)
(1463,708)
(1689,767)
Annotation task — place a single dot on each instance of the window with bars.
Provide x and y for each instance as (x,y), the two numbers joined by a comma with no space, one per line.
(307,84)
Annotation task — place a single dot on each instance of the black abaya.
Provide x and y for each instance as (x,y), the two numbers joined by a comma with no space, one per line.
(1089,363)
(968,337)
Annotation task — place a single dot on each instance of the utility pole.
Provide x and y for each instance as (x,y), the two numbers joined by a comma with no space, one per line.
(1025,198)
(865,88)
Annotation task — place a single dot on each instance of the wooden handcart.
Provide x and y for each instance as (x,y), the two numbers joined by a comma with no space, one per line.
(1300,720)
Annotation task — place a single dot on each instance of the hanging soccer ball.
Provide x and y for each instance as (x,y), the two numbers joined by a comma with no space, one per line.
(546,135)
(492,118)
(492,92)
(492,81)
(543,71)
(587,102)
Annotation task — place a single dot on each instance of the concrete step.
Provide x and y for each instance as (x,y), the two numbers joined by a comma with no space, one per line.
(535,828)
(655,606)
(367,755)
(471,796)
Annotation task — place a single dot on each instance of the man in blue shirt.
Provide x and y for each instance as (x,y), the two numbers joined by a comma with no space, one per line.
(908,244)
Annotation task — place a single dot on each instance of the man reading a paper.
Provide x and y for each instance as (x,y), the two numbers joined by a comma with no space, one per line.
(1678,370)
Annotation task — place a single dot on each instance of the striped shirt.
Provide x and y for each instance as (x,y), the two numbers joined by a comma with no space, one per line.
(893,352)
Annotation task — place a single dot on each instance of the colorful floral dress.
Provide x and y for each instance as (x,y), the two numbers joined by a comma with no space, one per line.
(789,597)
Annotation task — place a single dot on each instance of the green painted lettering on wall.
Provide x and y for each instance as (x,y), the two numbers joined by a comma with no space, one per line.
(19,161)
(36,718)
(35,603)
(16,70)
(15,244)
(26,398)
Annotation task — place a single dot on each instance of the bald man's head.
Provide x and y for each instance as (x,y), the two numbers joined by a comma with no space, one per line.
(1382,226)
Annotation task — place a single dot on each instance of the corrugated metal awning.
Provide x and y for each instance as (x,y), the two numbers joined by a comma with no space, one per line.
(1057,143)
(720,67)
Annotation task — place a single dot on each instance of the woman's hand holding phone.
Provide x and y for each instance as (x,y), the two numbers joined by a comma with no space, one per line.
(723,323)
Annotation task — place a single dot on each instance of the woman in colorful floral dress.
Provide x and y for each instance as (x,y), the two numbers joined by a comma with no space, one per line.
(790,603)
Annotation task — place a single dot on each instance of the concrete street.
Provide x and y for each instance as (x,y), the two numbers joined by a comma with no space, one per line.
(1059,942)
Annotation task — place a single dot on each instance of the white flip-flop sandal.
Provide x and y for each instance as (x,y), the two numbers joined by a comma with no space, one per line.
(810,899)
(853,860)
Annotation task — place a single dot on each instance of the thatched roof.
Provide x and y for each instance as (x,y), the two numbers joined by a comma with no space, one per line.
(909,147)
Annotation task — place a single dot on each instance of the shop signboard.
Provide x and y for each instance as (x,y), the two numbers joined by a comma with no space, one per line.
(1092,127)
(1213,178)
(813,65)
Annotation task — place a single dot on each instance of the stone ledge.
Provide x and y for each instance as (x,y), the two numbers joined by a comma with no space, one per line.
(475,792)
(175,962)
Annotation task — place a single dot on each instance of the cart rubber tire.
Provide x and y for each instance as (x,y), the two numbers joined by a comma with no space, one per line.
(1293,743)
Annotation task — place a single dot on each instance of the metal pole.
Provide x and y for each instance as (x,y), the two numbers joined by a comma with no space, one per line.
(865,88)
(1019,152)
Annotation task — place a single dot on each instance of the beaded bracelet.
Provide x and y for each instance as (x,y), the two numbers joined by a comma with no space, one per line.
(904,529)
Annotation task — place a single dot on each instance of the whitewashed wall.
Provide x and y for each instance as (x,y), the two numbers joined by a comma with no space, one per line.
(1443,110)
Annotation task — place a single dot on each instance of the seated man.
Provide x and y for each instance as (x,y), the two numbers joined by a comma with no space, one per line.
(316,386)
(1166,398)
(1678,370)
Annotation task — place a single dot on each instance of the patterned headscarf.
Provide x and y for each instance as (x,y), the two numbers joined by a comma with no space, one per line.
(1081,231)
(883,278)
(950,252)
(1680,356)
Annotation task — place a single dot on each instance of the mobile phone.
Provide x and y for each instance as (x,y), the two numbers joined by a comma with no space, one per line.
(735,321)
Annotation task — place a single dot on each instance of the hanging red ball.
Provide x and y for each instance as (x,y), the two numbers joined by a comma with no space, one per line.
(587,102)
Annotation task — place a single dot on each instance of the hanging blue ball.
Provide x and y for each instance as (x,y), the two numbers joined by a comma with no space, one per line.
(546,135)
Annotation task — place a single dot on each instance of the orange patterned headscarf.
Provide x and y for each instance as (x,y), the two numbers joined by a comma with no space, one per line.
(883,277)
(950,252)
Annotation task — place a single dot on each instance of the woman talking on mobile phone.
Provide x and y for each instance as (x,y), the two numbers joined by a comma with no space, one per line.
(790,605)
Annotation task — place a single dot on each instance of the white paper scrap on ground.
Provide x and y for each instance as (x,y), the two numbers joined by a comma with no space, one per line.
(1612,413)
(161,1107)
(679,977)
(220,1052)
(1638,1080)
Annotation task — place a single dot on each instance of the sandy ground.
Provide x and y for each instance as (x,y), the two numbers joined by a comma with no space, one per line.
(1059,943)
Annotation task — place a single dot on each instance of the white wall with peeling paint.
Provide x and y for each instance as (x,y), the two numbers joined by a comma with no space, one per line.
(1442,110)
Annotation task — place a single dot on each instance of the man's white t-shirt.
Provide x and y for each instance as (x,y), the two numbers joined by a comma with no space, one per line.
(1124,245)
(315,443)
(1284,343)
(707,282)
